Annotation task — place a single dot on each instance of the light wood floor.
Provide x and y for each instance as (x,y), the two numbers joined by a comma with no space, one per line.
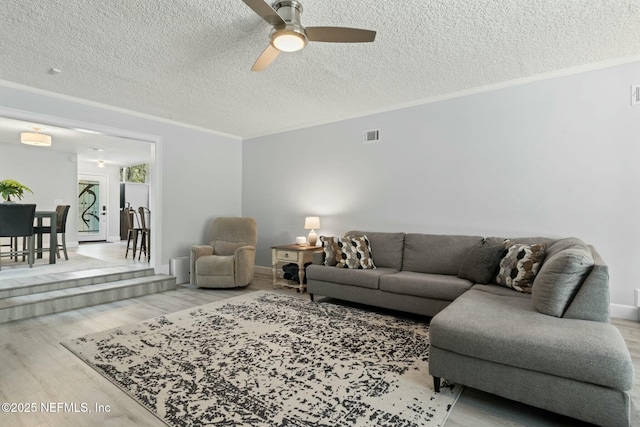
(35,368)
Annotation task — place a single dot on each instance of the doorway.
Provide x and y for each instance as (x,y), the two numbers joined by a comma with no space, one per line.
(154,149)
(92,208)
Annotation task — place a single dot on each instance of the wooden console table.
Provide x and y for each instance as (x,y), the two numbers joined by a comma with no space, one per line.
(296,254)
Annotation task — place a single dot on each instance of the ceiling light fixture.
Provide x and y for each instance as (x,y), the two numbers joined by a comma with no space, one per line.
(39,139)
(288,39)
(100,163)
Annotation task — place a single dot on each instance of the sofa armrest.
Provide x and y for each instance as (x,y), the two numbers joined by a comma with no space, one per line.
(245,259)
(196,252)
(592,300)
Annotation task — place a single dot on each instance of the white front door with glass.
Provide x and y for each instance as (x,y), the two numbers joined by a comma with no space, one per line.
(92,208)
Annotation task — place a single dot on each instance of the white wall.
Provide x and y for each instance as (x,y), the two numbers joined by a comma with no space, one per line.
(199,172)
(50,174)
(553,158)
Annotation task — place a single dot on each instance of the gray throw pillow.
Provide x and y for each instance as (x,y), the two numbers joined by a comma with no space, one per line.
(481,262)
(559,280)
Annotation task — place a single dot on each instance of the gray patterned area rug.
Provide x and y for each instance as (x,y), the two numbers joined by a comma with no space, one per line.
(266,359)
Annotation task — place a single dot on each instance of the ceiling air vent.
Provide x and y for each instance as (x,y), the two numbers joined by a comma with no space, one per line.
(371,136)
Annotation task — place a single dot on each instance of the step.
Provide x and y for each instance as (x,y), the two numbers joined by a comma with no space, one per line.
(55,301)
(51,282)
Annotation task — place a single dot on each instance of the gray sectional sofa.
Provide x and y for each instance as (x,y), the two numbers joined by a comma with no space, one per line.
(553,348)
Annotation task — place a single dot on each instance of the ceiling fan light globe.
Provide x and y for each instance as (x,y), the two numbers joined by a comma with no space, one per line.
(288,41)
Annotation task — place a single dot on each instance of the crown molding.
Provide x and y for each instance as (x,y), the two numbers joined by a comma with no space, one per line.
(37,91)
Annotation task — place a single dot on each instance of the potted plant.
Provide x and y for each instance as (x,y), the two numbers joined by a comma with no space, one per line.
(12,188)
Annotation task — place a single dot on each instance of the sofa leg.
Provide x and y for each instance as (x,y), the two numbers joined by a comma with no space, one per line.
(311,296)
(436,384)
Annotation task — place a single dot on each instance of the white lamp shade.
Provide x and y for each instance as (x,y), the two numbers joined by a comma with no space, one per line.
(33,138)
(311,222)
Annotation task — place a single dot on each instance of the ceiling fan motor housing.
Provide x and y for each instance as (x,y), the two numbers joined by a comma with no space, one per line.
(290,11)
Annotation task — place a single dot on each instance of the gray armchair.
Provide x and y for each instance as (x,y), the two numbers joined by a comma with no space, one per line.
(229,260)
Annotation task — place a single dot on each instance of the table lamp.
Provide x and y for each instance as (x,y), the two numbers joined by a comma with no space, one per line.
(311,223)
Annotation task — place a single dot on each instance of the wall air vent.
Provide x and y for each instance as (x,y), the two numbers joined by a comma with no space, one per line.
(371,136)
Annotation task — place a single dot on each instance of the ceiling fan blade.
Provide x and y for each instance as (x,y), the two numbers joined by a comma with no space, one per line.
(265,11)
(265,58)
(340,35)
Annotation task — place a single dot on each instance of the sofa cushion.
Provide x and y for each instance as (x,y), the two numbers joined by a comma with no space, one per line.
(437,254)
(436,286)
(501,291)
(354,252)
(348,276)
(520,265)
(508,330)
(330,248)
(480,263)
(386,248)
(560,278)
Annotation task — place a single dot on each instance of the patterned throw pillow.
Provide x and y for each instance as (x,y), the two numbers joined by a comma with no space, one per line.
(330,247)
(354,252)
(520,265)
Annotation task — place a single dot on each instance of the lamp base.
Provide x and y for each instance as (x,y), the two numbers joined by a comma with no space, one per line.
(312,238)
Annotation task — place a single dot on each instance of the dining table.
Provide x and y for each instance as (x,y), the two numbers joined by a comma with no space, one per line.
(53,237)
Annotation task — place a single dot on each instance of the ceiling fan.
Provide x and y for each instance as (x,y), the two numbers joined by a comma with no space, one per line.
(288,34)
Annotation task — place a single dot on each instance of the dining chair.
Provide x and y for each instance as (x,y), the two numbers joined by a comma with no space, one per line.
(145,233)
(62,212)
(16,220)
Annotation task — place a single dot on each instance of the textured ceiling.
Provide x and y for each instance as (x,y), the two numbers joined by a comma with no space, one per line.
(190,60)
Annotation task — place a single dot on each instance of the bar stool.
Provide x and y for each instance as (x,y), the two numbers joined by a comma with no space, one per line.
(145,223)
(133,232)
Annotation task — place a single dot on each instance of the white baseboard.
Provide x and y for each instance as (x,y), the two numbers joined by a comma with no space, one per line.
(113,238)
(627,312)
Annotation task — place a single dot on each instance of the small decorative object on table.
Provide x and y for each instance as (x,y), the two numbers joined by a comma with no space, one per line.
(296,254)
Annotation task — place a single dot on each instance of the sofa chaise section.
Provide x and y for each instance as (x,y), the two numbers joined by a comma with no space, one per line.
(502,345)
(554,349)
